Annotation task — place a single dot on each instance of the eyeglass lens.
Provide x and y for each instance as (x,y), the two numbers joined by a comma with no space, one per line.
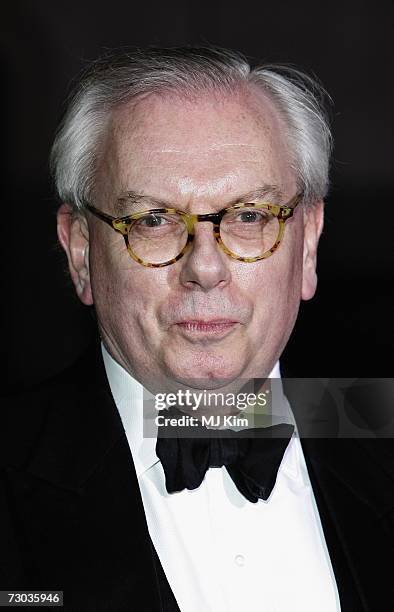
(247,232)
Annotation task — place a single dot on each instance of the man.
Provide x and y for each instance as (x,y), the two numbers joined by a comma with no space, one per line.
(192,193)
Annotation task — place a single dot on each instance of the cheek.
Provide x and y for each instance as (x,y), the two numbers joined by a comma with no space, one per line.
(126,295)
(276,280)
(106,270)
(289,280)
(277,283)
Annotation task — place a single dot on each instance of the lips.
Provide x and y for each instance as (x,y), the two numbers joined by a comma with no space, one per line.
(212,326)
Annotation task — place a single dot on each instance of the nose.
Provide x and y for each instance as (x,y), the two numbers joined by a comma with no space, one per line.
(205,266)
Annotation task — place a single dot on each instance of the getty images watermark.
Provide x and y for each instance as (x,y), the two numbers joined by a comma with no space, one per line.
(319,407)
(200,401)
(194,411)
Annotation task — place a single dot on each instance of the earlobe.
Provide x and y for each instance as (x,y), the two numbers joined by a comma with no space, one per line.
(313,226)
(73,234)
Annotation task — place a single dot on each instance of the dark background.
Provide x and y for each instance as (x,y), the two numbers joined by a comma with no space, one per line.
(348,328)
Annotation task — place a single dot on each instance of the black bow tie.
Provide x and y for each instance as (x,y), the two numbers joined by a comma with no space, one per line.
(251,456)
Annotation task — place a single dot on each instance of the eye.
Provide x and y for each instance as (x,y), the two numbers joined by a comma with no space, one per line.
(251,216)
(153,220)
(157,225)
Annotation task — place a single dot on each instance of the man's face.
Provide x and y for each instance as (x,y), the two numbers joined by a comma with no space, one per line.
(206,317)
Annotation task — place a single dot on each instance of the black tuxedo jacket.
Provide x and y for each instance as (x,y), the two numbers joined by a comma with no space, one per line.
(72,519)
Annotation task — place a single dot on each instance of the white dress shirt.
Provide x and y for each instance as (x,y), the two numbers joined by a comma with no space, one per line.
(220,552)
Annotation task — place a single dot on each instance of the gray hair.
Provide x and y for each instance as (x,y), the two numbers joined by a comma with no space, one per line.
(120,77)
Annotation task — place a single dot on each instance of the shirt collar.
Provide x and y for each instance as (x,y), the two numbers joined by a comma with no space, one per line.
(128,396)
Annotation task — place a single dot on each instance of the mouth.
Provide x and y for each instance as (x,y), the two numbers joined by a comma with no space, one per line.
(199,328)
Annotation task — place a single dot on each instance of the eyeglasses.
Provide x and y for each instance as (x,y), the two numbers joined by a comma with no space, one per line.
(161,236)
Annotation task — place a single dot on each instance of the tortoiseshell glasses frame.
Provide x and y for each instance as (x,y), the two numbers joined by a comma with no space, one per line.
(123,225)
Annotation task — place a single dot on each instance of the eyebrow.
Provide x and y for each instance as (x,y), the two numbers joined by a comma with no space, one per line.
(261,193)
(126,200)
(130,197)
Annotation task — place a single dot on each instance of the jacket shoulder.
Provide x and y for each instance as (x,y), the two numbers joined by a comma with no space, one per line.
(59,403)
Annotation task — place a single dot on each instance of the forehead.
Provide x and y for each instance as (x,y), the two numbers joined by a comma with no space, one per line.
(215,144)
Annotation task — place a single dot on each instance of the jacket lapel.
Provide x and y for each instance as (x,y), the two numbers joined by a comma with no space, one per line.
(78,500)
(80,520)
(353,484)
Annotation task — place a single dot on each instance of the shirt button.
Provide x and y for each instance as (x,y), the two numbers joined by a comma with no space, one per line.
(239,560)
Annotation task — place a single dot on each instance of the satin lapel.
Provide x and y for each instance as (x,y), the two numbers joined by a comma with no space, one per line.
(354,495)
(329,506)
(353,484)
(78,500)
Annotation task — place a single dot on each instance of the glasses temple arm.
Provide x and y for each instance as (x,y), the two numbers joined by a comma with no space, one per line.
(296,199)
(101,215)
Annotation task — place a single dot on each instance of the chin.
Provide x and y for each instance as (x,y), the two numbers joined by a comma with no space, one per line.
(204,371)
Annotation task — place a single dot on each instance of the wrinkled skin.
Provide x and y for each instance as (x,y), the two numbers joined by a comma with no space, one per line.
(198,155)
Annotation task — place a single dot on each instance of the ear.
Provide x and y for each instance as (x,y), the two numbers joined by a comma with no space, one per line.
(73,234)
(313,226)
